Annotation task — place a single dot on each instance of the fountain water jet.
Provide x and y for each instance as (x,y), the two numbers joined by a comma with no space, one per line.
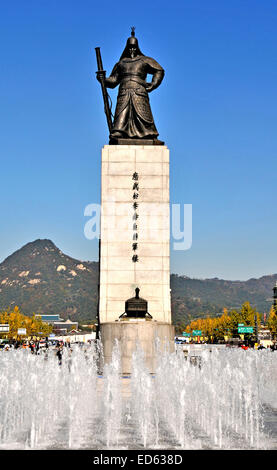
(223,401)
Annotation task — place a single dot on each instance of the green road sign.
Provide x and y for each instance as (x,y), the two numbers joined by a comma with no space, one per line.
(240,324)
(185,333)
(197,332)
(245,329)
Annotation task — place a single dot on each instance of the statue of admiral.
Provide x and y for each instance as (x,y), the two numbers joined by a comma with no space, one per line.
(133,117)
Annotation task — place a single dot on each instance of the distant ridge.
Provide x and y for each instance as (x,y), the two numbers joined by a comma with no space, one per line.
(40,278)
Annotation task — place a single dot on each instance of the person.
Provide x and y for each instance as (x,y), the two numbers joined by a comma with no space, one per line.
(133,116)
(69,359)
(32,346)
(59,355)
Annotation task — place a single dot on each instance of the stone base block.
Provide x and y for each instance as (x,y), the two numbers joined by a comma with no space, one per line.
(122,141)
(132,333)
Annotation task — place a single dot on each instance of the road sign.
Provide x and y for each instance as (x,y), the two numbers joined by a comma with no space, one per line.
(21,331)
(4,328)
(240,324)
(185,333)
(245,329)
(197,332)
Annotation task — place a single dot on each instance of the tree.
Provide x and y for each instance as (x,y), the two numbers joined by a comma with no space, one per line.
(246,316)
(272,322)
(16,320)
(217,328)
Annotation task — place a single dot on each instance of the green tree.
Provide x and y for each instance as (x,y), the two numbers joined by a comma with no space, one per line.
(246,316)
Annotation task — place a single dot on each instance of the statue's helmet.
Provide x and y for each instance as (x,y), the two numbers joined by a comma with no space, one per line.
(131,41)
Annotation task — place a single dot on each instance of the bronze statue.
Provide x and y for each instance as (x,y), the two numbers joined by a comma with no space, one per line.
(133,117)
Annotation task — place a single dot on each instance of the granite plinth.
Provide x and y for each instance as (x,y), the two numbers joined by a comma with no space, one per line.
(152,337)
(135,230)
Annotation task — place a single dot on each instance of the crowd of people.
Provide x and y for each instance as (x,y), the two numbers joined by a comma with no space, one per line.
(38,347)
(34,345)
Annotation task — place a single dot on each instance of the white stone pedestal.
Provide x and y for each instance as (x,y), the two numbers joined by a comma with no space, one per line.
(122,225)
(152,337)
(135,244)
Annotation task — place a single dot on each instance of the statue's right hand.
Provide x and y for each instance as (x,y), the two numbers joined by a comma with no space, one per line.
(100,76)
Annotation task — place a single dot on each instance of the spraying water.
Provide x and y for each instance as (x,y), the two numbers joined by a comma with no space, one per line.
(218,399)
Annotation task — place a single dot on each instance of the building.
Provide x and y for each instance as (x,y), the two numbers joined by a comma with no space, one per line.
(75,337)
(274,304)
(59,325)
(63,327)
(50,319)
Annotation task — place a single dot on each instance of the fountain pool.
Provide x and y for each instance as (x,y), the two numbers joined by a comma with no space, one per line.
(212,399)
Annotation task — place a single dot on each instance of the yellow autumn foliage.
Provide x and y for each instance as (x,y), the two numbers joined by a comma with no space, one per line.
(226,324)
(16,320)
(272,322)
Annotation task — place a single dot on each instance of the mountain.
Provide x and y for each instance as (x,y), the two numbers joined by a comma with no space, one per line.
(194,297)
(40,278)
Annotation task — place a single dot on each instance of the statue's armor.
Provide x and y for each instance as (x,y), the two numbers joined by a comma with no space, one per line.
(133,117)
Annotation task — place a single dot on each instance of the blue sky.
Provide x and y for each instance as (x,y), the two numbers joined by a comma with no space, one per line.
(216,110)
